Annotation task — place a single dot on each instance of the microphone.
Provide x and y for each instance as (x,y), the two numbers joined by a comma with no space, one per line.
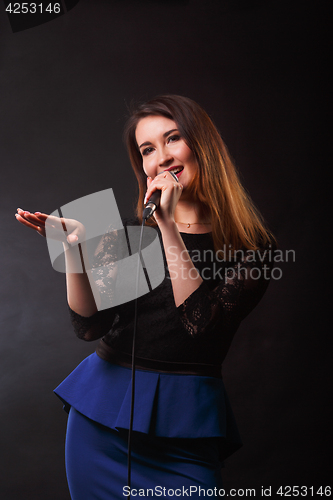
(154,201)
(152,204)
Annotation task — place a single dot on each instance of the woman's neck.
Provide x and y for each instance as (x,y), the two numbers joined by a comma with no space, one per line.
(190,218)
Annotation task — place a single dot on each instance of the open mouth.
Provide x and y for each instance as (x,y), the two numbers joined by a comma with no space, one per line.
(176,171)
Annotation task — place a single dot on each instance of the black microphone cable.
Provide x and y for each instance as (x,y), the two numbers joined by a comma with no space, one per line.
(150,208)
(133,363)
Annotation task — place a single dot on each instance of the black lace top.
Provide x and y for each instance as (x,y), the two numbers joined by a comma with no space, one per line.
(198,331)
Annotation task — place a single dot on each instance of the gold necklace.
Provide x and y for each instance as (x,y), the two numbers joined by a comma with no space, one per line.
(189,224)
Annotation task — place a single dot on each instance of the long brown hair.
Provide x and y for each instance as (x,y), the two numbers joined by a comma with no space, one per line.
(236,222)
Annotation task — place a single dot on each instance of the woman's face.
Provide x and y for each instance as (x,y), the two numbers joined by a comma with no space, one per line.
(163,148)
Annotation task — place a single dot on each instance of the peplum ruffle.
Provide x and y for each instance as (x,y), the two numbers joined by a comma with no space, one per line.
(166,405)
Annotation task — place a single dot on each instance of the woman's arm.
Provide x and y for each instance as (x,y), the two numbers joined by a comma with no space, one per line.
(82,292)
(79,284)
(80,296)
(242,288)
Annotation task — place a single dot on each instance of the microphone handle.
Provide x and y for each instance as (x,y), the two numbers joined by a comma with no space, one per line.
(152,204)
(155,198)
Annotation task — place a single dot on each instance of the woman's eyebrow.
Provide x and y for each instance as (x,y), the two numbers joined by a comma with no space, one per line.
(147,143)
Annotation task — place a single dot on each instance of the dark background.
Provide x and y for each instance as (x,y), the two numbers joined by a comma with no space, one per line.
(257,67)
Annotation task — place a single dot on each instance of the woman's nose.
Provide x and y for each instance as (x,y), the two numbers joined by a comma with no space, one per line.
(164,159)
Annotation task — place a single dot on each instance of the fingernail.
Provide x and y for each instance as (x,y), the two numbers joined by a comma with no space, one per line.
(145,200)
(38,213)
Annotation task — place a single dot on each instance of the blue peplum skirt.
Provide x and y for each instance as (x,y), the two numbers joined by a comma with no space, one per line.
(183,429)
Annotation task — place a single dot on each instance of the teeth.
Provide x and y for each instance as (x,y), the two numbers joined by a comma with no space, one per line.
(176,170)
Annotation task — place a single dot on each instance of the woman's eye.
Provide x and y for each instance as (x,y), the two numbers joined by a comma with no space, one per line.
(173,138)
(146,151)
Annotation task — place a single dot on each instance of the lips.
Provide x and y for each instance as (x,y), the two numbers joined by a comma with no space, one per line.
(177,170)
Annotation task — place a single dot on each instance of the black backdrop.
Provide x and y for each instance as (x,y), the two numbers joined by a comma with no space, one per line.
(257,68)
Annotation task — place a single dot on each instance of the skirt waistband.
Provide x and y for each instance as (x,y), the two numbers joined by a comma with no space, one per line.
(111,355)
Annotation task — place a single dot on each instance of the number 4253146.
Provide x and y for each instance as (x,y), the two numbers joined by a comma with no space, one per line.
(33,8)
(294,491)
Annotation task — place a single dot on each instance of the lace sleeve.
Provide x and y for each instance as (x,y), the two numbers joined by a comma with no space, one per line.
(105,253)
(104,268)
(242,288)
(92,327)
